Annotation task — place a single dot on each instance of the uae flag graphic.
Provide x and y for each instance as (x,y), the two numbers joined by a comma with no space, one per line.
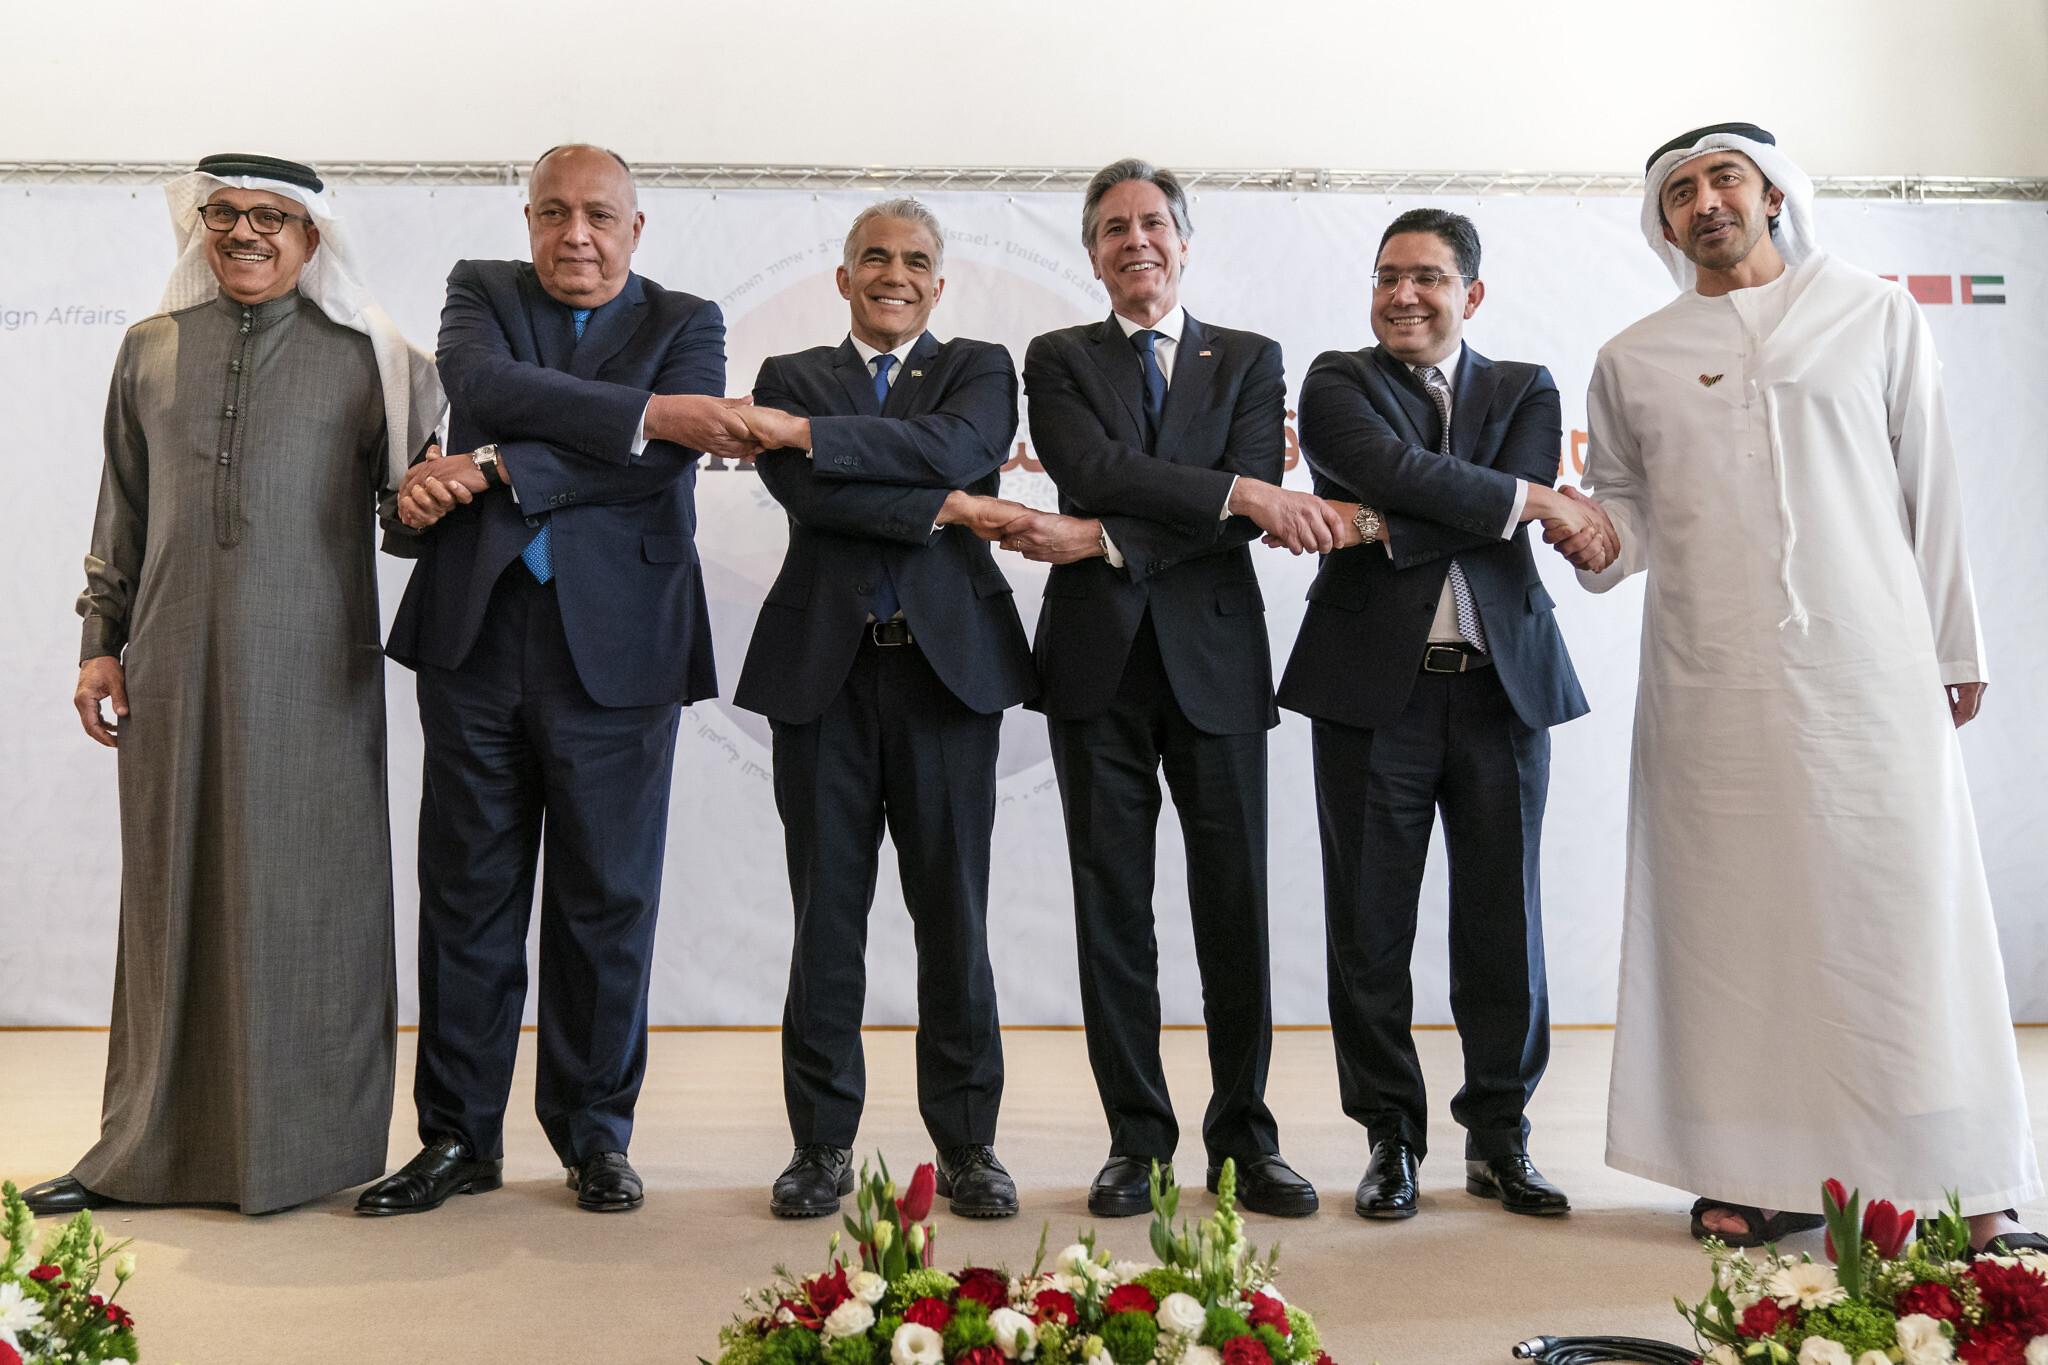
(1975,289)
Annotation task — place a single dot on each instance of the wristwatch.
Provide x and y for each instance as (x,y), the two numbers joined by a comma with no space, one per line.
(1368,523)
(485,458)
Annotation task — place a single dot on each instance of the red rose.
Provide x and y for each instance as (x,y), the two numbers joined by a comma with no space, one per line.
(1130,1298)
(2014,1297)
(46,1273)
(916,1201)
(1246,1351)
(982,1355)
(1057,1305)
(1885,1228)
(931,1313)
(1993,1345)
(1762,1318)
(8,1355)
(984,1286)
(1935,1301)
(118,1316)
(1268,1311)
(1323,1358)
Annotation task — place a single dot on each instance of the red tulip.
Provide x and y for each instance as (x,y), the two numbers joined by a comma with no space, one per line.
(1836,1192)
(1885,1228)
(916,1201)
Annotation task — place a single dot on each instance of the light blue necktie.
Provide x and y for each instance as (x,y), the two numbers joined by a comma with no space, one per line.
(538,555)
(885,604)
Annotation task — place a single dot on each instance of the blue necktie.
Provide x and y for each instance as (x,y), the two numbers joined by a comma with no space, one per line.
(1155,382)
(885,603)
(538,555)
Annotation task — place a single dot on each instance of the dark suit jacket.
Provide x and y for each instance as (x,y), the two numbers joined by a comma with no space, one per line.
(1224,416)
(864,500)
(564,413)
(1370,432)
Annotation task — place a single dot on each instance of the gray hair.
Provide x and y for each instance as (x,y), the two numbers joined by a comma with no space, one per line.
(1131,168)
(910,211)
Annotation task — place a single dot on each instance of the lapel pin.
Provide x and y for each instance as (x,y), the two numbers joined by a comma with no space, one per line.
(1709,380)
(1201,353)
(919,374)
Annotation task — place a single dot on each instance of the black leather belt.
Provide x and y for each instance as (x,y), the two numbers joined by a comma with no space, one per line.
(1454,659)
(892,632)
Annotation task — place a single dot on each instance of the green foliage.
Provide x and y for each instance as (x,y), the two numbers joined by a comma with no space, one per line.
(885,1327)
(968,1329)
(1306,1341)
(1859,1327)
(739,1344)
(1130,1337)
(1276,1345)
(1167,1280)
(854,1350)
(913,1285)
(791,1346)
(1222,1325)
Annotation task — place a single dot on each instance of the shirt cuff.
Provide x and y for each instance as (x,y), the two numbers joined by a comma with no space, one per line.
(1110,551)
(1224,515)
(640,432)
(102,638)
(1515,512)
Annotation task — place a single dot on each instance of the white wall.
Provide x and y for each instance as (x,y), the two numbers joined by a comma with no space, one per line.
(1850,86)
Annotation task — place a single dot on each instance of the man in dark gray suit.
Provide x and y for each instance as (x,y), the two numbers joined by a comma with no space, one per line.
(1433,668)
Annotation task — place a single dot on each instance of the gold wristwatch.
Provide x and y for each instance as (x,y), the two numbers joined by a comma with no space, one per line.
(1368,523)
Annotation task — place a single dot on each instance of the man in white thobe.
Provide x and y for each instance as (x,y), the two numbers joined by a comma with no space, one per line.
(1810,976)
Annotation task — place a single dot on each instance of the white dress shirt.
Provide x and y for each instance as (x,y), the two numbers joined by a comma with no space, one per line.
(1165,347)
(1444,628)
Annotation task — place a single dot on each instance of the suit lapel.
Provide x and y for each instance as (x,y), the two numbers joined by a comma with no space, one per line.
(855,379)
(1477,379)
(1112,353)
(903,393)
(554,330)
(1425,423)
(608,328)
(1194,381)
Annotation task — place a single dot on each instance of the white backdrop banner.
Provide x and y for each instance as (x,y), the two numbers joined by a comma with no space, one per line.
(1562,276)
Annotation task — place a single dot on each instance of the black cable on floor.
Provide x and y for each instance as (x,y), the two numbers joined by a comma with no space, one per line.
(1599,1350)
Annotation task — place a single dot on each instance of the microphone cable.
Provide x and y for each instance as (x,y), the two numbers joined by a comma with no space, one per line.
(1603,1350)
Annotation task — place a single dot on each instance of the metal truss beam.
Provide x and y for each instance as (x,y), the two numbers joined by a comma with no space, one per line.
(1032,179)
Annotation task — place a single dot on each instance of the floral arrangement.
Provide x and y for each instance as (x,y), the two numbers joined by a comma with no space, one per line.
(1210,1300)
(49,1314)
(1879,1301)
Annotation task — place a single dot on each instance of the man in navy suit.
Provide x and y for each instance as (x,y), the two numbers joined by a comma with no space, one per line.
(1165,436)
(884,657)
(1432,666)
(556,620)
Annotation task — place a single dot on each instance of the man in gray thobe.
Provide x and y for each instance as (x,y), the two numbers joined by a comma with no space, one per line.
(231,623)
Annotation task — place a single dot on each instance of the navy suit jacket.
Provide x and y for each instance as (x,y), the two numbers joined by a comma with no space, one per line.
(1370,432)
(863,501)
(564,413)
(1224,416)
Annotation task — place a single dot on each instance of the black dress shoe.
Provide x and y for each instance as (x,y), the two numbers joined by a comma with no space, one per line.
(62,1197)
(1388,1190)
(607,1183)
(1123,1187)
(810,1185)
(441,1169)
(1515,1181)
(974,1184)
(1268,1185)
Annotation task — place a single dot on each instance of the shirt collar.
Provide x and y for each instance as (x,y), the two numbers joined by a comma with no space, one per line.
(868,353)
(1449,365)
(1169,326)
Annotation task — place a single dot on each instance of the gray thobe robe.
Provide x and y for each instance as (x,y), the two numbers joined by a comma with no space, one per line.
(233,558)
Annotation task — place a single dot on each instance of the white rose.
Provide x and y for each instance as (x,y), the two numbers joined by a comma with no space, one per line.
(868,1287)
(124,1269)
(916,1344)
(2037,1351)
(1015,1333)
(1922,1342)
(1873,1358)
(1072,1258)
(1821,1351)
(849,1319)
(1184,1314)
(1126,1271)
(1201,1355)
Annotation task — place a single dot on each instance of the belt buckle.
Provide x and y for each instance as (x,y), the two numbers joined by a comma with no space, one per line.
(1429,655)
(890,634)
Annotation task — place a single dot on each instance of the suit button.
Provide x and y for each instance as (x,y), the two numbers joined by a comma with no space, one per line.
(533,521)
(863,588)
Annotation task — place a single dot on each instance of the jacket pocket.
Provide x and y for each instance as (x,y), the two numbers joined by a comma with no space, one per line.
(1331,592)
(1539,598)
(991,583)
(788,592)
(666,549)
(1238,599)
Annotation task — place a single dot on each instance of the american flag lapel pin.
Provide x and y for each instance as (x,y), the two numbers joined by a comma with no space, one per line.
(1201,353)
(917,374)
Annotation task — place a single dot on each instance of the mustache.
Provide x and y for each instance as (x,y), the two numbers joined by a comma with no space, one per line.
(1718,218)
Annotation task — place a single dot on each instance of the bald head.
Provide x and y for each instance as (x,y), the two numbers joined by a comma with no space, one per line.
(583,223)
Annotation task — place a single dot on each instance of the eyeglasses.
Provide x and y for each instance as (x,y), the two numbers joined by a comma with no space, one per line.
(262,218)
(1425,281)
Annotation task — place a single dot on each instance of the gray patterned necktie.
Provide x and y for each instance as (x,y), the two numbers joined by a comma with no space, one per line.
(1461,592)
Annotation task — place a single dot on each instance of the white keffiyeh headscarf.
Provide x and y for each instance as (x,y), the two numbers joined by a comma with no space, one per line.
(413,399)
(1791,231)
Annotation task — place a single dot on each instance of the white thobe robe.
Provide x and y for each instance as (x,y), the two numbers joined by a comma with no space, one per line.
(1810,975)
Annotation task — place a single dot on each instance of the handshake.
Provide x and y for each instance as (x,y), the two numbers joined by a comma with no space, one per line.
(1574,523)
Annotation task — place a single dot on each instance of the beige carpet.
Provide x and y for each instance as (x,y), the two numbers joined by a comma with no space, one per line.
(521,1275)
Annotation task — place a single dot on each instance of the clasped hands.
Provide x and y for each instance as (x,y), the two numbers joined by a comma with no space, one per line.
(1574,523)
